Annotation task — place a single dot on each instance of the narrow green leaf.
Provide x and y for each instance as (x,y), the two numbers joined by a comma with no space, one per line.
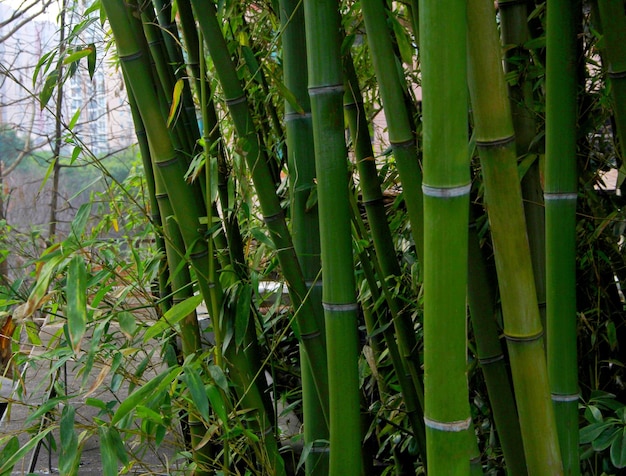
(173,316)
(75,153)
(76,291)
(196,389)
(74,119)
(91,61)
(17,454)
(127,323)
(77,55)
(49,171)
(80,220)
(143,392)
(69,457)
(217,402)
(107,453)
(178,89)
(242,313)
(48,89)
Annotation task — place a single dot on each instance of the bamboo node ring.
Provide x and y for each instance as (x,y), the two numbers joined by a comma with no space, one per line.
(560,397)
(296,116)
(617,74)
(446,192)
(166,163)
(199,254)
(491,360)
(374,201)
(331,88)
(320,448)
(451,426)
(310,284)
(529,338)
(310,335)
(348,307)
(131,57)
(496,142)
(235,101)
(274,217)
(560,196)
(403,144)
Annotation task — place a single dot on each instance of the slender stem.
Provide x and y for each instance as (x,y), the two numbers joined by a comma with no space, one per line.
(522,324)
(560,197)
(446,213)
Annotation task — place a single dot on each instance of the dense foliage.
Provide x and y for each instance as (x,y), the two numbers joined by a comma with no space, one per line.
(383,313)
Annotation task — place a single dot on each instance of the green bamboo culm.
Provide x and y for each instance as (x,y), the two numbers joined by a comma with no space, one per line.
(339,295)
(522,324)
(613,25)
(304,217)
(515,32)
(482,305)
(257,161)
(399,124)
(446,190)
(406,364)
(560,199)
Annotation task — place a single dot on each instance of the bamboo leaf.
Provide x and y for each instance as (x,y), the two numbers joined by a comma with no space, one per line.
(91,60)
(217,402)
(243,313)
(178,90)
(69,457)
(74,119)
(196,389)
(173,316)
(107,453)
(79,223)
(77,55)
(48,89)
(14,453)
(143,392)
(127,322)
(76,291)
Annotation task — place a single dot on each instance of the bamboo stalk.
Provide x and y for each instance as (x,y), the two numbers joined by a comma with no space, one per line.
(446,211)
(405,361)
(515,33)
(304,217)
(339,298)
(482,304)
(522,324)
(250,142)
(399,124)
(560,196)
(613,20)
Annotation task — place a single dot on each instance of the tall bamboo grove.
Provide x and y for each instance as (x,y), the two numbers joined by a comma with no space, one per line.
(386,375)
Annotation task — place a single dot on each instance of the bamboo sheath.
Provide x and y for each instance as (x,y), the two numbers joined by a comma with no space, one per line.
(307,329)
(304,217)
(446,206)
(325,84)
(523,329)
(560,196)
